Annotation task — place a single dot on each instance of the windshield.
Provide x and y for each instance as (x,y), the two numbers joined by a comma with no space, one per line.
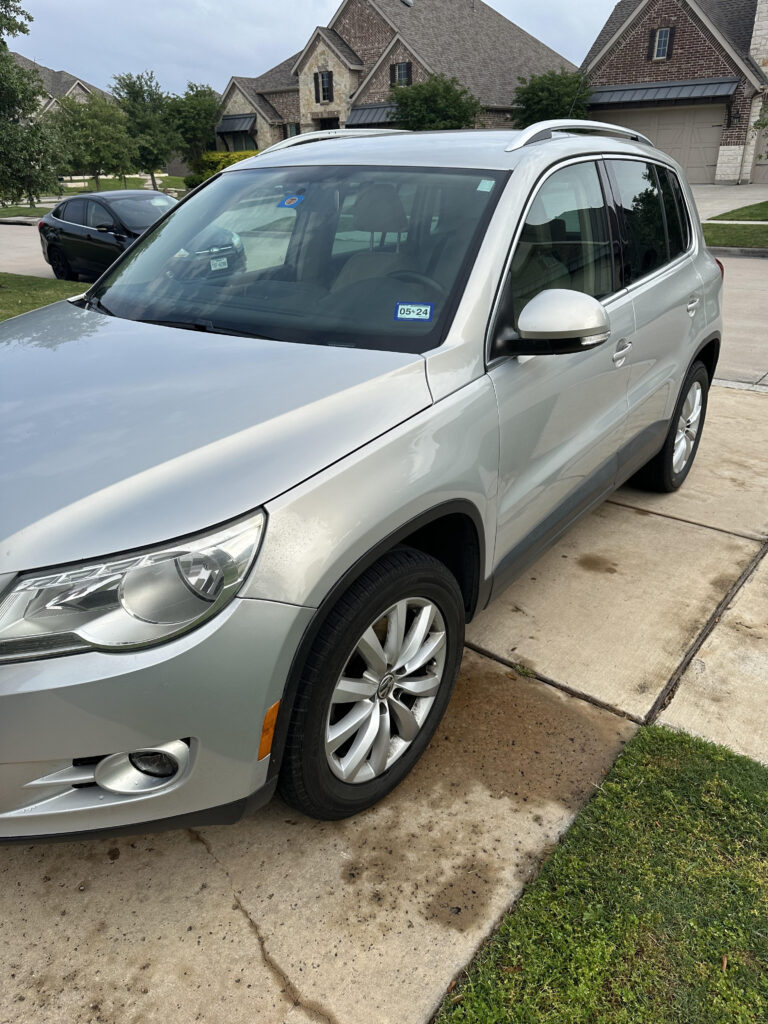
(364,257)
(138,212)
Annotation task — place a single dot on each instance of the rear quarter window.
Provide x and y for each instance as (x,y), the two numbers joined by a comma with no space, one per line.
(639,200)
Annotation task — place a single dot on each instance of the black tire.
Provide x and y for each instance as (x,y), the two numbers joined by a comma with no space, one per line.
(307,781)
(659,474)
(60,265)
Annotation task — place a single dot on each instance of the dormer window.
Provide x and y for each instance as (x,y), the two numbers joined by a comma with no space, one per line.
(323,86)
(401,74)
(660,43)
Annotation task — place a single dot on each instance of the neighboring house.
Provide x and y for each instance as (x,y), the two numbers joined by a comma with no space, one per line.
(343,75)
(57,84)
(690,74)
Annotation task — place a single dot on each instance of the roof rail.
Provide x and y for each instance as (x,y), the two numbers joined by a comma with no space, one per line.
(329,133)
(543,130)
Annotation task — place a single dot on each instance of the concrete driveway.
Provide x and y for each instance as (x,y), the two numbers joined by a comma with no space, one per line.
(653,608)
(20,251)
(712,200)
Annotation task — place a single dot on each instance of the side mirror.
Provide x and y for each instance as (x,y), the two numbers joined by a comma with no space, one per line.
(555,322)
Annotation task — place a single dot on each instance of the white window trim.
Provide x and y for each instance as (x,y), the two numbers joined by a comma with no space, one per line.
(656,54)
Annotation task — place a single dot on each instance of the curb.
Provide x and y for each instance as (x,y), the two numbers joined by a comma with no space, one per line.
(726,250)
(24,221)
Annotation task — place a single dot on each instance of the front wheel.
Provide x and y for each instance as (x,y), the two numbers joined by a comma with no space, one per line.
(667,470)
(60,265)
(375,685)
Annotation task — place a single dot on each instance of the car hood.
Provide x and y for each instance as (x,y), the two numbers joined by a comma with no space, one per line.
(118,435)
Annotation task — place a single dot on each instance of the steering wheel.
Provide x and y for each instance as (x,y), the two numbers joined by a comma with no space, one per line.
(416,278)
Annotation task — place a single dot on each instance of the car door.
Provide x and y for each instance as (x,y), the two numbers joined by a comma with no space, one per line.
(667,298)
(103,247)
(72,232)
(561,417)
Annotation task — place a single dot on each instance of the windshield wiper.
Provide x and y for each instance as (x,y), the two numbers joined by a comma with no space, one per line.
(205,326)
(97,304)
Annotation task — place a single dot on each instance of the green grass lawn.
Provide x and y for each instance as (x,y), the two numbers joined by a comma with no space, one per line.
(19,293)
(751,236)
(653,909)
(24,211)
(105,185)
(757,211)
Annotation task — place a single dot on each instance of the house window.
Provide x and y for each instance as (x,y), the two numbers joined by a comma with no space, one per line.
(292,129)
(323,86)
(661,44)
(401,74)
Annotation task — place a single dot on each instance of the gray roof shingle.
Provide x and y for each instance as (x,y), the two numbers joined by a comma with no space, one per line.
(55,83)
(482,48)
(342,46)
(277,79)
(734,19)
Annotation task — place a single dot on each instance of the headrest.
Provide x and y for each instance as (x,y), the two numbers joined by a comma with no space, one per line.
(378,208)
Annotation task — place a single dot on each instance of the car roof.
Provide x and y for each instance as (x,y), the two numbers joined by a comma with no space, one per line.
(120,193)
(490,149)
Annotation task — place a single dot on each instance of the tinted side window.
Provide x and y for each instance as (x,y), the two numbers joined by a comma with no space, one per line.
(685,225)
(674,227)
(645,244)
(99,215)
(565,241)
(60,213)
(76,211)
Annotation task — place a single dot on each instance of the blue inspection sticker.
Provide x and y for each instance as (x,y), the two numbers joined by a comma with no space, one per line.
(421,312)
(291,201)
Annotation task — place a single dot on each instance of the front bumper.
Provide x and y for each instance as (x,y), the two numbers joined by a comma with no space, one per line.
(211,688)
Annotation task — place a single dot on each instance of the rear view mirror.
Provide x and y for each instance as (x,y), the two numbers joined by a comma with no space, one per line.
(556,321)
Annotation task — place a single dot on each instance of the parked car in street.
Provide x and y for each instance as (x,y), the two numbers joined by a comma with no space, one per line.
(258,477)
(85,234)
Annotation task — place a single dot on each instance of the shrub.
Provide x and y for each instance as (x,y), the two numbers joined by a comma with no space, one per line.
(212,162)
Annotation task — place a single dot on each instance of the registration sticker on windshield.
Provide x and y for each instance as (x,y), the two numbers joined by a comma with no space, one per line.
(290,201)
(220,263)
(423,311)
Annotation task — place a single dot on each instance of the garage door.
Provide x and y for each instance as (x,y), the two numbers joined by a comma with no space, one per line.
(689,134)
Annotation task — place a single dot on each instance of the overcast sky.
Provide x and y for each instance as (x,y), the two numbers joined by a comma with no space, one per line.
(209,40)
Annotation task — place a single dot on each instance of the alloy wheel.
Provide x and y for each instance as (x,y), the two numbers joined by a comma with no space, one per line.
(687,427)
(384,694)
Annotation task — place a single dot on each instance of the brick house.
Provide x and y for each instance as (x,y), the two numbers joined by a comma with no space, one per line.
(690,74)
(57,84)
(343,75)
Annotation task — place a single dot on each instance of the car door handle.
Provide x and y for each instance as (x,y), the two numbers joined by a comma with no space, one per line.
(693,303)
(622,351)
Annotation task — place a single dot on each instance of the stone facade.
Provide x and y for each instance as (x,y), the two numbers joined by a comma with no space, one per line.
(696,53)
(320,57)
(236,102)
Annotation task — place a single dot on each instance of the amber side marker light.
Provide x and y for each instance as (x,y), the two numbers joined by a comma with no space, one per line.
(268,730)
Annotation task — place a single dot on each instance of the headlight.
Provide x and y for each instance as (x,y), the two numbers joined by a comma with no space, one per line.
(132,601)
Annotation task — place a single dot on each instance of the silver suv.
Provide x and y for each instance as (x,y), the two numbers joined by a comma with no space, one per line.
(259,476)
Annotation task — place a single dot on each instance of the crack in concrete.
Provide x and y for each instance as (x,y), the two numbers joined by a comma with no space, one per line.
(528,673)
(669,691)
(686,522)
(288,989)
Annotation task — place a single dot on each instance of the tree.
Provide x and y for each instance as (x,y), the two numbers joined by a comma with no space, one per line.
(554,94)
(439,102)
(96,139)
(148,113)
(13,19)
(195,116)
(27,145)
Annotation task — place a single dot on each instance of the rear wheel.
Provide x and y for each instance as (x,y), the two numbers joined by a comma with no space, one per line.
(667,470)
(375,686)
(60,265)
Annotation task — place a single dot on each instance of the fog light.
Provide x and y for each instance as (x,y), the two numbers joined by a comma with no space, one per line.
(142,771)
(154,763)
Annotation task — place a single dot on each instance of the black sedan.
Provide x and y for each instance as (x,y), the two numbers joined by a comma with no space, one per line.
(85,234)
